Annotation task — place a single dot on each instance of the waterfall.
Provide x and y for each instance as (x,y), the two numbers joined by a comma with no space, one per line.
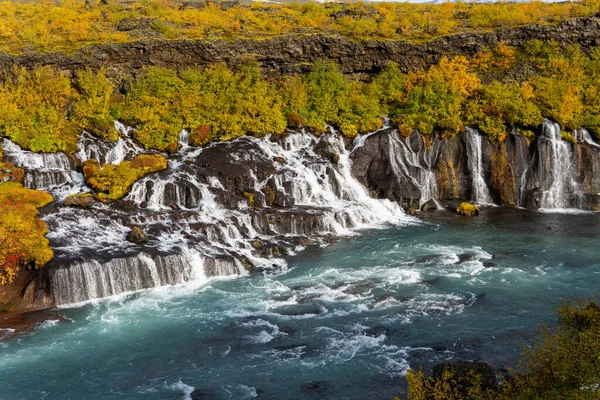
(414,166)
(92,279)
(52,172)
(199,224)
(556,165)
(480,191)
(584,137)
(106,151)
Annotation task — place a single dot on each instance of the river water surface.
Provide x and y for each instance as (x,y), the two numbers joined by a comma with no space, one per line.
(352,316)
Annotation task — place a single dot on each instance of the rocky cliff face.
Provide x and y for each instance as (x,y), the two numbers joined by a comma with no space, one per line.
(288,54)
(548,173)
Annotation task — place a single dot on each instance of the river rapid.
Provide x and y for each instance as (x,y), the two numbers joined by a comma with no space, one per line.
(345,320)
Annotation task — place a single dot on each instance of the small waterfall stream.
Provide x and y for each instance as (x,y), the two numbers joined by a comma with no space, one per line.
(558,184)
(415,166)
(52,172)
(480,191)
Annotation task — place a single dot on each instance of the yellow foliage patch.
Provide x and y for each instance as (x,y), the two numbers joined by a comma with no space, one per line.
(112,182)
(21,232)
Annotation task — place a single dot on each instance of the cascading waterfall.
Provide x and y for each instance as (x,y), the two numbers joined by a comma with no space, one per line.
(85,280)
(556,162)
(51,172)
(583,136)
(197,233)
(480,191)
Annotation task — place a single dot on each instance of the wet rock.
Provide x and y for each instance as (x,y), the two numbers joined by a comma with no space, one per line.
(79,200)
(361,287)
(137,236)
(431,282)
(372,166)
(327,151)
(203,394)
(430,205)
(467,209)
(279,160)
(465,257)
(298,310)
(376,331)
(257,244)
(314,387)
(461,370)
(287,330)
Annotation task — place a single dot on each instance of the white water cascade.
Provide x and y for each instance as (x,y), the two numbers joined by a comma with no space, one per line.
(557,170)
(93,279)
(196,231)
(52,172)
(480,191)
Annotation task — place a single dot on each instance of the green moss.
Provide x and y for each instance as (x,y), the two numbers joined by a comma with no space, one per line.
(113,182)
(250,198)
(568,137)
(467,209)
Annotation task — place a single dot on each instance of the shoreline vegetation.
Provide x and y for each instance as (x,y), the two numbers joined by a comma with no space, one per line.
(562,363)
(64,26)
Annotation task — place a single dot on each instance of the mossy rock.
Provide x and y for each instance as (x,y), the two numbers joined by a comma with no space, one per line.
(9,172)
(467,209)
(112,182)
(84,200)
(250,198)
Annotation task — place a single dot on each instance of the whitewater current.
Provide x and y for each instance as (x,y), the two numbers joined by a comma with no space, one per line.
(346,320)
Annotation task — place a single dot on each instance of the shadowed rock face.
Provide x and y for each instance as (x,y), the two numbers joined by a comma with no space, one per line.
(283,55)
(546,173)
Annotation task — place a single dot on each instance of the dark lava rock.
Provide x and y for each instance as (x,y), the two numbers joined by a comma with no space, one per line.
(298,309)
(314,387)
(376,331)
(431,282)
(465,257)
(202,394)
(137,236)
(361,287)
(287,330)
(325,150)
(460,371)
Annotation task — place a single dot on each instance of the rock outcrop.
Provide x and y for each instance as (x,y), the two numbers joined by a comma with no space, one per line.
(288,54)
(549,172)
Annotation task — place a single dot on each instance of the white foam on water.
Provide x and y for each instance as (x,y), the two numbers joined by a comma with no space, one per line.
(184,388)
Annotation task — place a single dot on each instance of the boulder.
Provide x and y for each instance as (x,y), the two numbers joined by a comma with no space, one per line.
(137,236)
(84,200)
(430,205)
(314,387)
(467,209)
